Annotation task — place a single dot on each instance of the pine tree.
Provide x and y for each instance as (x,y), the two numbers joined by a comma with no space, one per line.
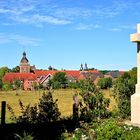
(48,109)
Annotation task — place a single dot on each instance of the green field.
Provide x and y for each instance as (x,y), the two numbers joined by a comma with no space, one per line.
(65,100)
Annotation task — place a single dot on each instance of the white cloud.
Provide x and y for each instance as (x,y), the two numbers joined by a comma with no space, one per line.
(115,29)
(82,26)
(41,12)
(122,27)
(19,39)
(39,20)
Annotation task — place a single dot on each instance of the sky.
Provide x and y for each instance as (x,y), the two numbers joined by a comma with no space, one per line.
(66,33)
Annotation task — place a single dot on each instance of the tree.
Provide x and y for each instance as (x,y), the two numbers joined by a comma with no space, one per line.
(123,88)
(3,70)
(133,74)
(48,109)
(7,86)
(51,68)
(59,80)
(17,83)
(16,69)
(105,83)
(96,106)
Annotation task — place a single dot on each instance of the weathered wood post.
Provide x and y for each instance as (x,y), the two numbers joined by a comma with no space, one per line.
(3,112)
(75,107)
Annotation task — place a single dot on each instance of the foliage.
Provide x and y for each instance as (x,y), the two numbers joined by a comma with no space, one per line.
(3,70)
(123,88)
(95,105)
(84,132)
(105,83)
(48,109)
(29,114)
(104,71)
(109,129)
(25,136)
(133,74)
(73,85)
(17,83)
(16,69)
(59,80)
(7,86)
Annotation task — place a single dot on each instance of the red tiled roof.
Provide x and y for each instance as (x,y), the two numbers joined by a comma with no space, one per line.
(39,73)
(20,76)
(73,73)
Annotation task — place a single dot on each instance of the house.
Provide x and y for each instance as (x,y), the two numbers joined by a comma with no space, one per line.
(114,74)
(29,75)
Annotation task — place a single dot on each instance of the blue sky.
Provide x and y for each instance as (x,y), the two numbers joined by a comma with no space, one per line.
(66,33)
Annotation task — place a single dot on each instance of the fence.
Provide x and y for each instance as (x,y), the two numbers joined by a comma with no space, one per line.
(3,112)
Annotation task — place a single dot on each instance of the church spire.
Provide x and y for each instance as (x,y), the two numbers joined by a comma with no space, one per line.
(24,64)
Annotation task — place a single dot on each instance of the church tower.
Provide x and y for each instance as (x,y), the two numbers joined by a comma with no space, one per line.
(24,64)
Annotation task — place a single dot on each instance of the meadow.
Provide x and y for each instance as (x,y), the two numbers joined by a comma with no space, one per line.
(64,96)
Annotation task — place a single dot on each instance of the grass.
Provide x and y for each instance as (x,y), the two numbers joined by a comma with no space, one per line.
(64,96)
(65,100)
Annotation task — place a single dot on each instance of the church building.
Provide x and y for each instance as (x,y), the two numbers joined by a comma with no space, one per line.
(24,64)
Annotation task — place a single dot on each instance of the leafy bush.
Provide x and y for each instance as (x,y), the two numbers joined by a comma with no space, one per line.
(123,88)
(46,111)
(25,136)
(59,80)
(95,105)
(7,86)
(109,129)
(105,83)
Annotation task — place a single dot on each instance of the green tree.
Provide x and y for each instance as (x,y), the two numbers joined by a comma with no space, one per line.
(3,71)
(123,88)
(59,80)
(16,69)
(133,74)
(95,105)
(17,83)
(48,109)
(105,83)
(7,86)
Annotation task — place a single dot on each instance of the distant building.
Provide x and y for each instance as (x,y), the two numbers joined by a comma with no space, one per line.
(24,64)
(30,76)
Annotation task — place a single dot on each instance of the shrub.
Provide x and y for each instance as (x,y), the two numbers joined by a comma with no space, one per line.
(59,80)
(95,105)
(108,130)
(123,88)
(46,111)
(105,83)
(7,86)
(25,136)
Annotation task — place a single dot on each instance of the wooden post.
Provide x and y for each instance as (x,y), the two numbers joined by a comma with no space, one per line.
(3,112)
